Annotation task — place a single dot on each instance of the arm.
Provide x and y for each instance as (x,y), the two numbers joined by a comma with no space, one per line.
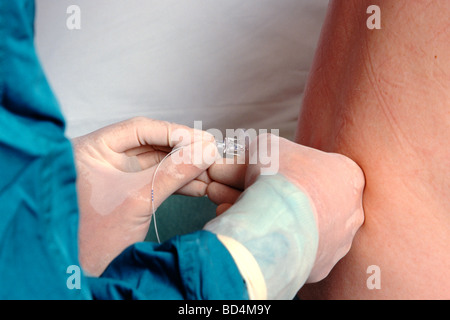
(189,267)
(381,97)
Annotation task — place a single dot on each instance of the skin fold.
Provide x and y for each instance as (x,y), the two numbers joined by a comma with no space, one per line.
(382,98)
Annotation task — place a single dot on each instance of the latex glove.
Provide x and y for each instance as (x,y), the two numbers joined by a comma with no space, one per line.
(115,167)
(333,182)
(273,235)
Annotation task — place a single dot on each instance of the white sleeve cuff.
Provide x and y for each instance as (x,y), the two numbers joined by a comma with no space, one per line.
(248,267)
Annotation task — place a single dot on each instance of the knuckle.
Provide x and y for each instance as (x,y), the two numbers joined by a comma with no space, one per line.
(138,120)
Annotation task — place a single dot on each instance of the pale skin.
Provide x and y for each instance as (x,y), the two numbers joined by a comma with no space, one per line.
(382,98)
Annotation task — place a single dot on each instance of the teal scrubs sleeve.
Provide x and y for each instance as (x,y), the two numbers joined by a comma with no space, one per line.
(38,202)
(190,267)
(38,208)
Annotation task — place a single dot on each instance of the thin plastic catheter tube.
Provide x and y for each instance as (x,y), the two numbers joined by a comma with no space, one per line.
(227,147)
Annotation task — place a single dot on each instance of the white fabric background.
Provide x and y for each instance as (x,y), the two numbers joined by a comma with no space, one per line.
(229,63)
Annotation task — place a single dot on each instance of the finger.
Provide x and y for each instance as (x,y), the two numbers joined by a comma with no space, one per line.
(273,145)
(147,148)
(173,175)
(197,187)
(194,188)
(222,208)
(204,177)
(141,131)
(149,156)
(232,174)
(220,193)
(150,159)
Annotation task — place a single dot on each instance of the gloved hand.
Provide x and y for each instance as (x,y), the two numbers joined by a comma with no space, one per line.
(115,167)
(333,183)
(273,236)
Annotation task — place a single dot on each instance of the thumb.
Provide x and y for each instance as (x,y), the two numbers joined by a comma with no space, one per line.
(179,168)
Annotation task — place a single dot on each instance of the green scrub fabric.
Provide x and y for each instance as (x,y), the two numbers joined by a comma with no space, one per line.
(38,202)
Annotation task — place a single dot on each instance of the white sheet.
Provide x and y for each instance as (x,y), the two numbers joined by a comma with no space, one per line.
(230,64)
